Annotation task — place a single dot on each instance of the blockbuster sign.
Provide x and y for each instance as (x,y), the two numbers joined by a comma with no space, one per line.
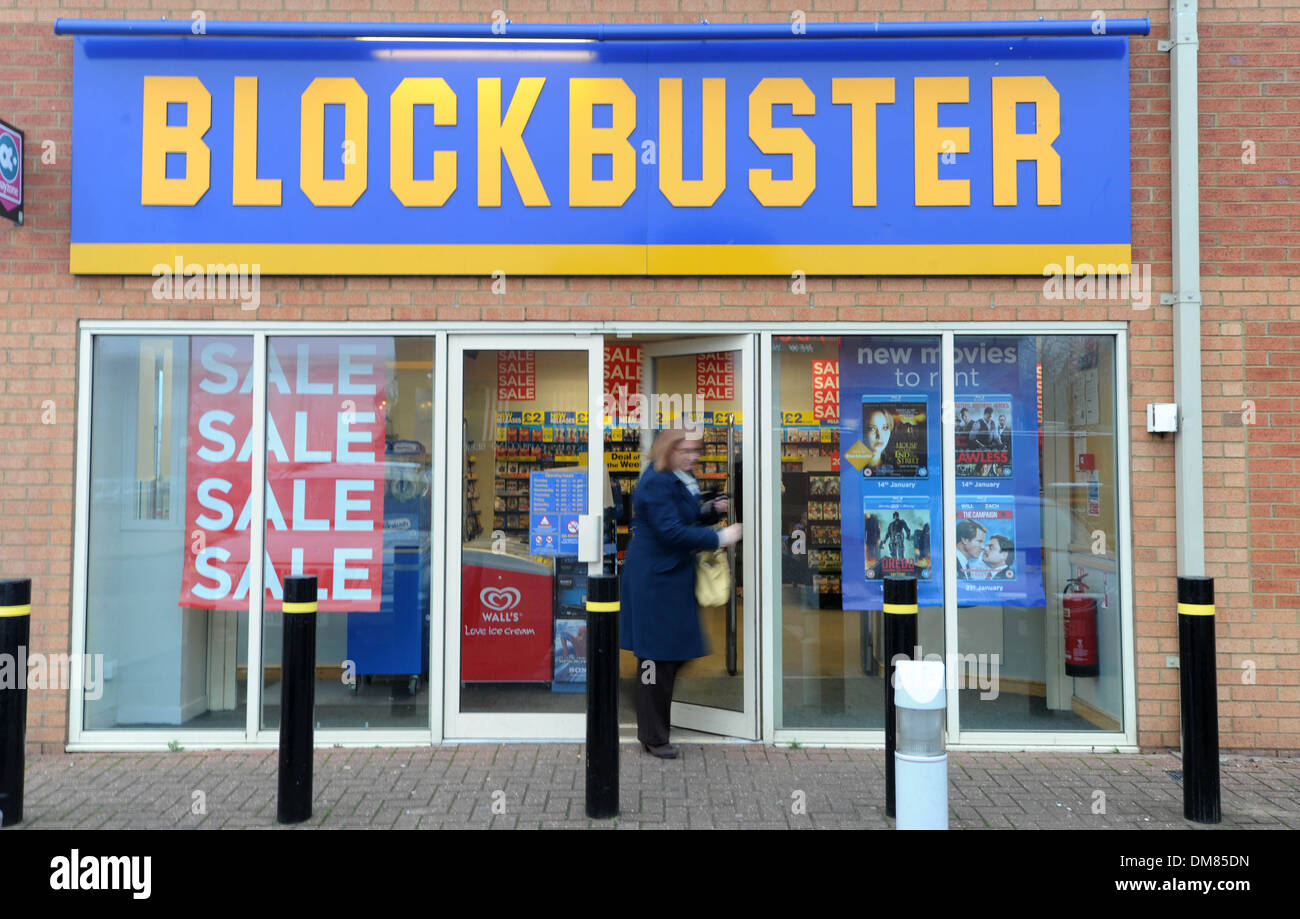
(380,157)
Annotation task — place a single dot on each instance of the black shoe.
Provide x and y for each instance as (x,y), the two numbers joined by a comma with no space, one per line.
(663,751)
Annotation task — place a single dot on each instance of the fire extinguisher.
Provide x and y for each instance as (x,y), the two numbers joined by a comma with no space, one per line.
(1080,629)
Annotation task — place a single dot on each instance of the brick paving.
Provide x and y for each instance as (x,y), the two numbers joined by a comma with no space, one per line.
(713,786)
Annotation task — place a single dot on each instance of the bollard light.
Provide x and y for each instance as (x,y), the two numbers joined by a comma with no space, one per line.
(920,756)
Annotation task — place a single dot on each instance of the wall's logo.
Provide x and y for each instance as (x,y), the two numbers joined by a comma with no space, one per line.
(500,598)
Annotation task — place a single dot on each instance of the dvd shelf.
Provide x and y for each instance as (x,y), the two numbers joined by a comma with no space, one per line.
(714,462)
(824,539)
(813,499)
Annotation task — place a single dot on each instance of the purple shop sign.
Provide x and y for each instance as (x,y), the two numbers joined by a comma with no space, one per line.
(11,173)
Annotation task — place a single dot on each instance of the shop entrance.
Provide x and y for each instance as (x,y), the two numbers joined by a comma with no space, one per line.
(704,385)
(538,414)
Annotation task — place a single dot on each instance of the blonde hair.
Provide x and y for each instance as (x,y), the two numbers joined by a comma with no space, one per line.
(665,442)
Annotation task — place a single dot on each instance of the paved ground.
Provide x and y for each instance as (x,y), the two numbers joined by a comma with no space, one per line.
(711,786)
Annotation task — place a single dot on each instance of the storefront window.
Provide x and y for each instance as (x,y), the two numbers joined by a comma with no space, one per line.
(166,602)
(348,458)
(860,499)
(1033,536)
(1038,576)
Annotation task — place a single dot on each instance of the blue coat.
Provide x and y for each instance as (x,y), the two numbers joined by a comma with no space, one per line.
(659,619)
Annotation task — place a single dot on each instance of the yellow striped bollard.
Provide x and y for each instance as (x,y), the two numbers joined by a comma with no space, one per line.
(15,633)
(1199,699)
(297,699)
(602,697)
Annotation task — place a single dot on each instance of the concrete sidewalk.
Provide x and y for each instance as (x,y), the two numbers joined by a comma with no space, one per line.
(712,786)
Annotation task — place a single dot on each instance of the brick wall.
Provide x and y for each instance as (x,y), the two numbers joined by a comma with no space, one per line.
(1250,56)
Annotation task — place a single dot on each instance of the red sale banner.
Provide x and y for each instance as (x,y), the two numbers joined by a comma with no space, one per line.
(622,369)
(516,376)
(715,376)
(826,390)
(324,469)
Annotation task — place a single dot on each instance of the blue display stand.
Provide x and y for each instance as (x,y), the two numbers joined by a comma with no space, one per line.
(395,640)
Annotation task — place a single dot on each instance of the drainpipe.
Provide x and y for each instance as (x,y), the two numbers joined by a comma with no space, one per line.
(1186,298)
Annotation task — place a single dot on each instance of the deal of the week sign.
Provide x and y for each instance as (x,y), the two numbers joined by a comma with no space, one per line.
(950,156)
(324,471)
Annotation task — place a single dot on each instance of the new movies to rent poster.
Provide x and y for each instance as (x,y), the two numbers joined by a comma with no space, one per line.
(896,533)
(986,539)
(983,436)
(894,432)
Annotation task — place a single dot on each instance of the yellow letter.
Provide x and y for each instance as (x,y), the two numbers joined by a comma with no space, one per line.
(585,141)
(411,92)
(246,187)
(795,190)
(932,140)
(863,94)
(704,191)
(158,139)
(499,137)
(1010,147)
(347,92)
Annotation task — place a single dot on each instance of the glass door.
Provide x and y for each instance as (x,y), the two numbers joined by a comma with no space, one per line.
(518,463)
(708,385)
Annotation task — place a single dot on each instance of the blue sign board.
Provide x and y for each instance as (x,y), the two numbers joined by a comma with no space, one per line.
(891,486)
(556,498)
(338,156)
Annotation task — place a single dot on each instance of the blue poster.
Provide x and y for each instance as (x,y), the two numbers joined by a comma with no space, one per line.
(997,533)
(890,506)
(891,485)
(570,656)
(556,498)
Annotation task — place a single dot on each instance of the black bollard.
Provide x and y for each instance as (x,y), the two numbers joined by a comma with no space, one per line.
(1199,696)
(602,697)
(297,698)
(15,633)
(900,639)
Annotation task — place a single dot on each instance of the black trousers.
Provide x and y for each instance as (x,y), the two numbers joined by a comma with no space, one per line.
(654,699)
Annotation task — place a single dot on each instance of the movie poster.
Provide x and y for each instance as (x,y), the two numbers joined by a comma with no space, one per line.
(570,656)
(983,437)
(896,536)
(888,441)
(997,533)
(985,534)
(894,432)
(889,431)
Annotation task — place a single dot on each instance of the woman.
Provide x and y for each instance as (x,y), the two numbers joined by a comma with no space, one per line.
(880,427)
(660,622)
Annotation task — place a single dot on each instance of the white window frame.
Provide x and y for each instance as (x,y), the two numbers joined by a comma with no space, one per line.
(1124,740)
(769,676)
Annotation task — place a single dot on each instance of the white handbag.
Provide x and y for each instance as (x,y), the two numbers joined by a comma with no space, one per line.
(712,577)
